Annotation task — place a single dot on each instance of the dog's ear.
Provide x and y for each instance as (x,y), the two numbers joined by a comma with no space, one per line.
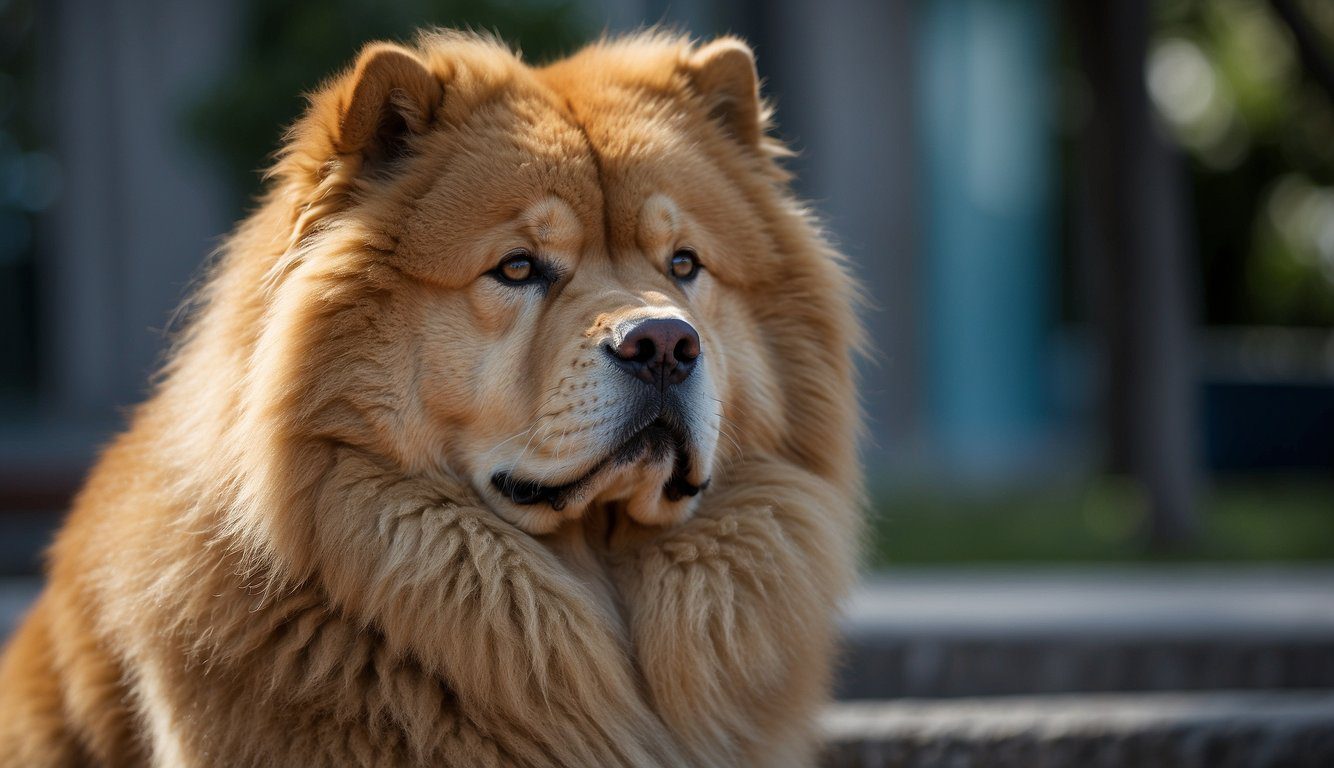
(389,96)
(723,74)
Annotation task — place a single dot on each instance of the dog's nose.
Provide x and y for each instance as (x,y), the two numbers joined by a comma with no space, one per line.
(660,351)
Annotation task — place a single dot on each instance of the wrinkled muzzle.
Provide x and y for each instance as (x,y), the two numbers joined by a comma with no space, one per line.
(634,419)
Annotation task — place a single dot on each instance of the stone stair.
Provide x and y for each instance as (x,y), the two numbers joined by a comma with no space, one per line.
(1088,668)
(1147,730)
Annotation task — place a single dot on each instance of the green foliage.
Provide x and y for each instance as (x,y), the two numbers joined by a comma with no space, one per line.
(29,184)
(1228,79)
(290,46)
(1244,520)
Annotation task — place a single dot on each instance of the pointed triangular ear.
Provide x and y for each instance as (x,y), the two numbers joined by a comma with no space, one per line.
(723,73)
(390,96)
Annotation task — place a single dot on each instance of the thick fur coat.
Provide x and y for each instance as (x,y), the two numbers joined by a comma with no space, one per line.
(308,547)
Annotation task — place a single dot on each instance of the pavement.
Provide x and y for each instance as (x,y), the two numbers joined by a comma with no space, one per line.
(1224,729)
(987,632)
(1169,601)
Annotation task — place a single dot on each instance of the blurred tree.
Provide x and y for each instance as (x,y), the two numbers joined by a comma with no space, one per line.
(1140,248)
(29,184)
(1254,110)
(289,46)
(1241,88)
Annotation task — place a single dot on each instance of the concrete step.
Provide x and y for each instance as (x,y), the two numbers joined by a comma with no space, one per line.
(929,634)
(1159,730)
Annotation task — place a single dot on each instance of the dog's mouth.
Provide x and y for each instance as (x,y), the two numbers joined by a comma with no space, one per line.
(660,440)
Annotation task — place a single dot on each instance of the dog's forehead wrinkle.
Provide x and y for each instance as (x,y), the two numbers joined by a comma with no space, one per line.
(658,217)
(659,220)
(578,121)
(552,222)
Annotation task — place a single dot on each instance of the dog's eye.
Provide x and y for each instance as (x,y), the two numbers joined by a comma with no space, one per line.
(519,267)
(684,265)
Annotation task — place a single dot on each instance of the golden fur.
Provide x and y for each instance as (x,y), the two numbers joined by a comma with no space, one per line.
(292,557)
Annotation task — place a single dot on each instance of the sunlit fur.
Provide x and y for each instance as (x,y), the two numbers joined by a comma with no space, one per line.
(291,556)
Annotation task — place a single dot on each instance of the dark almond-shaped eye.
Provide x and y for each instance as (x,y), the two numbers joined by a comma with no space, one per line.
(517,268)
(684,265)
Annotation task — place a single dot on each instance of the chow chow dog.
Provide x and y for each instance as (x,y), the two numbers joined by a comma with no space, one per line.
(516,426)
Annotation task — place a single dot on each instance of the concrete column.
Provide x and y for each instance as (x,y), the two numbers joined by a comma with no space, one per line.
(140,210)
(985,122)
(1140,247)
(842,76)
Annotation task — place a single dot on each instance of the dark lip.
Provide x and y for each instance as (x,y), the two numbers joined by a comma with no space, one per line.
(664,433)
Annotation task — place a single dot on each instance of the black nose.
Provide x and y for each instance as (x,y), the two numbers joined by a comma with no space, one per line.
(660,351)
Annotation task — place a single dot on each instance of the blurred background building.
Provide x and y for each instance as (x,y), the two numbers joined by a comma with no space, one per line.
(1098,239)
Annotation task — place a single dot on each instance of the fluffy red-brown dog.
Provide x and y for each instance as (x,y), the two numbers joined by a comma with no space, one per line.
(515,427)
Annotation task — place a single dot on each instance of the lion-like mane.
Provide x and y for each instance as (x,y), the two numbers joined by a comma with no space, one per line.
(257,573)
